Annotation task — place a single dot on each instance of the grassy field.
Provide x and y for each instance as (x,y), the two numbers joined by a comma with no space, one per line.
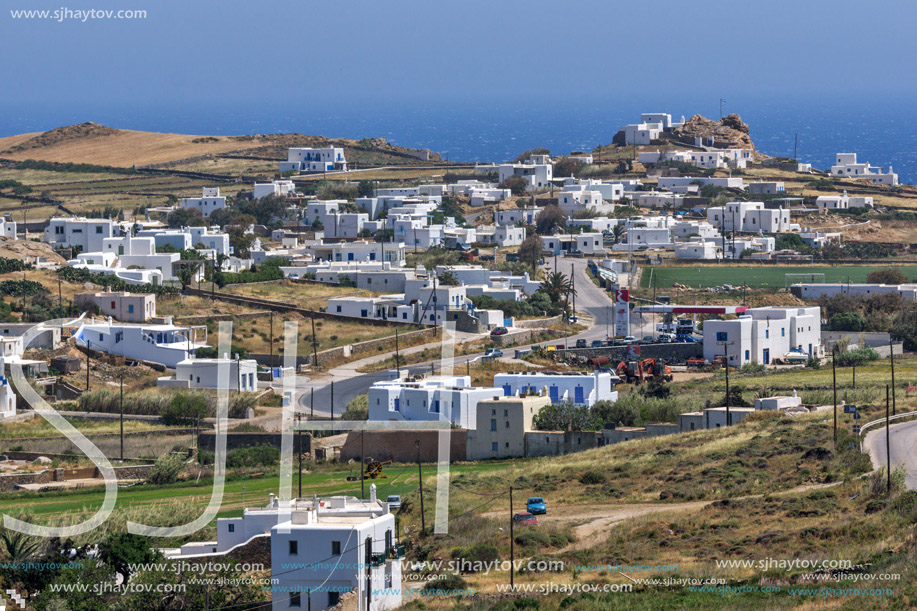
(756,276)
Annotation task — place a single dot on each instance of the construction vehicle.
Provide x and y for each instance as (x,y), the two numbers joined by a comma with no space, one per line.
(373,471)
(639,371)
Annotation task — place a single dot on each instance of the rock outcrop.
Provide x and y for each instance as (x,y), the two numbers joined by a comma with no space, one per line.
(728,132)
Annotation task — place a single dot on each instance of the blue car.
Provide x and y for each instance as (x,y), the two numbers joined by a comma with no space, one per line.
(536,506)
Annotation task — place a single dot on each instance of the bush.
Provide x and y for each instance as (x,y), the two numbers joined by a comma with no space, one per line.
(107,401)
(185,409)
(857,357)
(533,538)
(451,581)
(357,409)
(847,321)
(263,455)
(165,470)
(592,477)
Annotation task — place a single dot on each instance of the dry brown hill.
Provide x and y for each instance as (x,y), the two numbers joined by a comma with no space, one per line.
(100,145)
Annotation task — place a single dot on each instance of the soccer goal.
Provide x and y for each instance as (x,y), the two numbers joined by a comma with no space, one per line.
(791,278)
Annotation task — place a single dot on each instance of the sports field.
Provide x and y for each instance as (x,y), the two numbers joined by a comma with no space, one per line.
(757,276)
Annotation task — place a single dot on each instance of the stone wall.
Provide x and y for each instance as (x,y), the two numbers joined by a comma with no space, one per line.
(555,443)
(399,446)
(137,445)
(538,323)
(11,481)
(206,441)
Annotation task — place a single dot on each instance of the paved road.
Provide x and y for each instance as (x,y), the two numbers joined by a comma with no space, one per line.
(903,443)
(590,299)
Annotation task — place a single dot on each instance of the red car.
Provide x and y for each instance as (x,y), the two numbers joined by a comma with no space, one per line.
(500,331)
(526,519)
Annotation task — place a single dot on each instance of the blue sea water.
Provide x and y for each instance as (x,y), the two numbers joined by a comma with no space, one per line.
(881,131)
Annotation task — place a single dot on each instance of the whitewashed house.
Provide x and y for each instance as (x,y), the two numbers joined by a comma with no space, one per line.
(165,344)
(280,188)
(764,334)
(81,234)
(538,171)
(242,375)
(579,388)
(750,217)
(825,203)
(846,166)
(306,160)
(517,216)
(7,227)
(446,399)
(209,201)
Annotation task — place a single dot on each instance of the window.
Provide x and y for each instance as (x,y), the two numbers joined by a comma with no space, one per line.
(767,333)
(493,425)
(747,355)
(294,600)
(782,332)
(232,528)
(98,229)
(507,424)
(130,309)
(335,548)
(722,336)
(294,548)
(494,447)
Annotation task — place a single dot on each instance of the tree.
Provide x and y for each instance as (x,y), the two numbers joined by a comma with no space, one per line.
(556,286)
(567,166)
(240,241)
(447,278)
(888,275)
(186,217)
(618,232)
(516,184)
(122,550)
(365,188)
(530,250)
(847,321)
(527,154)
(187,272)
(565,416)
(550,218)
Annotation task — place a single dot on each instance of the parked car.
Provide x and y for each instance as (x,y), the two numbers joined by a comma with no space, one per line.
(394,502)
(597,343)
(648,339)
(526,519)
(536,506)
(573,319)
(500,331)
(581,343)
(667,338)
(492,353)
(630,339)
(486,257)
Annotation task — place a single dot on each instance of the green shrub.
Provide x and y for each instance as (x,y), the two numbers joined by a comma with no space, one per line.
(166,469)
(533,538)
(858,357)
(450,581)
(185,409)
(263,455)
(592,477)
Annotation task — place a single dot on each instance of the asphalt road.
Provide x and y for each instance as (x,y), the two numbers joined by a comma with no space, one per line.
(589,299)
(903,445)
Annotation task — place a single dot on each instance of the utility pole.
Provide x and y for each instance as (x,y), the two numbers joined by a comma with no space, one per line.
(573,289)
(888,448)
(891,355)
(362,468)
(272,345)
(834,385)
(122,416)
(332,407)
(312,403)
(725,346)
(299,438)
(512,543)
(314,345)
(854,376)
(60,297)
(87,368)
(397,354)
(423,523)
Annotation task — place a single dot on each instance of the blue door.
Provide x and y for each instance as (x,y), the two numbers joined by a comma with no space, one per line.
(397,405)
(578,395)
(507,390)
(554,394)
(767,356)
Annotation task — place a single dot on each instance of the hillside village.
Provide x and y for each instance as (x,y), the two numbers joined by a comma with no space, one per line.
(632,324)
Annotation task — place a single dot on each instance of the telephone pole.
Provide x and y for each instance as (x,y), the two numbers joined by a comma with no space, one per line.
(423,522)
(272,346)
(512,543)
(834,385)
(888,448)
(314,345)
(299,438)
(122,416)
(891,355)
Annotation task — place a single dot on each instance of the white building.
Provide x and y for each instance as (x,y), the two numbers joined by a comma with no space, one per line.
(538,171)
(81,234)
(674,183)
(764,334)
(210,200)
(280,188)
(204,373)
(500,235)
(846,166)
(165,344)
(772,187)
(7,227)
(326,159)
(447,399)
(517,216)
(576,198)
(579,388)
(642,133)
(394,253)
(696,249)
(815,291)
(124,307)
(7,396)
(842,202)
(751,217)
(686,229)
(585,243)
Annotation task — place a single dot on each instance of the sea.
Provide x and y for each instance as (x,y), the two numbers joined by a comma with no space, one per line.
(881,130)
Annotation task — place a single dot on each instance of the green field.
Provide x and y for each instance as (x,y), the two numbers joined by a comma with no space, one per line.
(756,276)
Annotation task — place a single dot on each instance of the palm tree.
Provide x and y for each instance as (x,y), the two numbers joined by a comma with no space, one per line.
(618,232)
(19,547)
(557,287)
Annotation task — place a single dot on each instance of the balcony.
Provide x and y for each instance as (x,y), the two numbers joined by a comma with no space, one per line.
(396,552)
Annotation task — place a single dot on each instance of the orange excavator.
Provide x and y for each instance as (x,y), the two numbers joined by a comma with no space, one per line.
(639,371)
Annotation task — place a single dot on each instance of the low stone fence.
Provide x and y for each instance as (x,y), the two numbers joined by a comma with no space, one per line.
(538,323)
(11,481)
(207,441)
(399,446)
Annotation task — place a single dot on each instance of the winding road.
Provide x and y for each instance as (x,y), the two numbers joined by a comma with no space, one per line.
(902,440)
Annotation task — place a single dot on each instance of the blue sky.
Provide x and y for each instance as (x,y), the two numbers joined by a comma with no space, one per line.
(388,51)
